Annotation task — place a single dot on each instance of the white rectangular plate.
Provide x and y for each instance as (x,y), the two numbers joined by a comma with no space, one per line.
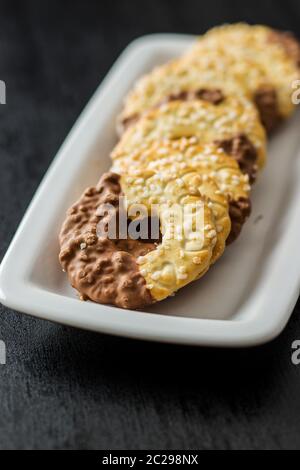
(245,300)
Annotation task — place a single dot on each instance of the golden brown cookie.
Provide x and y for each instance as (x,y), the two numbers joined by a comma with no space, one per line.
(233,124)
(209,161)
(263,63)
(168,82)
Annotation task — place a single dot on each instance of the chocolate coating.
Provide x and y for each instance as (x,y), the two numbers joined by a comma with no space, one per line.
(266,100)
(244,152)
(239,212)
(101,269)
(213,96)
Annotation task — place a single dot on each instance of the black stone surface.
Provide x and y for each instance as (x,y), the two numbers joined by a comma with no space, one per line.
(69,389)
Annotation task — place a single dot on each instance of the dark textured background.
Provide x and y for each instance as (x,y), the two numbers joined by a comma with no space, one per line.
(63,388)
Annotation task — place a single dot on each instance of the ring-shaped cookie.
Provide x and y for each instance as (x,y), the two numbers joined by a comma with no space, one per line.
(264,64)
(132,273)
(233,124)
(208,161)
(173,80)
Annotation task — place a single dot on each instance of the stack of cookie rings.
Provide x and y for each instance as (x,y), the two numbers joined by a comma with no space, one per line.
(192,134)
